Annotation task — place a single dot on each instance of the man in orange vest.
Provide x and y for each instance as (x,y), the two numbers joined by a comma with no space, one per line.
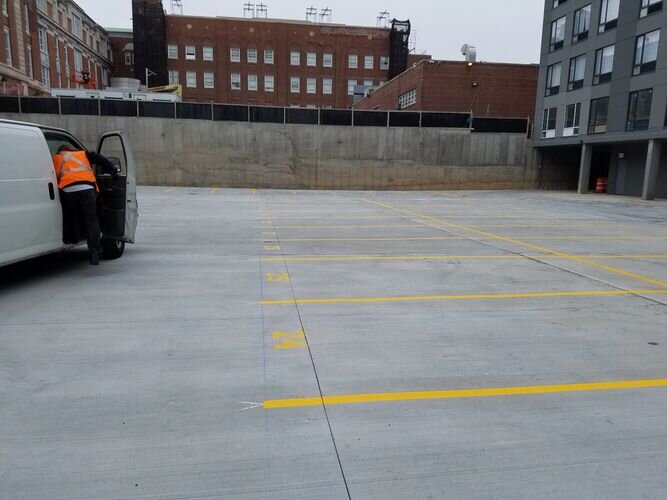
(78,195)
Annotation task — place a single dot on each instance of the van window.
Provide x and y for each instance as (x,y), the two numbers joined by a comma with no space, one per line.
(55,140)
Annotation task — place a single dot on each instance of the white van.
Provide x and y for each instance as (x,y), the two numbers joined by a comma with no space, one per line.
(31,221)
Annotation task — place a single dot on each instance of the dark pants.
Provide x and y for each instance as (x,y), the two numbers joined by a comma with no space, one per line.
(80,209)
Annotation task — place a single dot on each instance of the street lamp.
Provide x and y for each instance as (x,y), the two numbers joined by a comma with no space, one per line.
(149,73)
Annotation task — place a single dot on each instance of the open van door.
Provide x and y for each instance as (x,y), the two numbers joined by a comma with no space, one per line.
(118,210)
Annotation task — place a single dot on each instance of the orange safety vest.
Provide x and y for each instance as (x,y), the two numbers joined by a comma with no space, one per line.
(73,167)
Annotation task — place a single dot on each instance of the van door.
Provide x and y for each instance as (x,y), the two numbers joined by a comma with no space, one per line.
(118,193)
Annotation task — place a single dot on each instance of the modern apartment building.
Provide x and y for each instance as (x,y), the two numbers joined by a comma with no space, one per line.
(602,91)
(264,61)
(50,43)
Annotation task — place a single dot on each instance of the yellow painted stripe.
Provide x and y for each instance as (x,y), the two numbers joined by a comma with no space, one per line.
(438,238)
(463,393)
(421,226)
(523,243)
(214,190)
(590,225)
(504,238)
(171,190)
(254,191)
(423,298)
(447,257)
(331,192)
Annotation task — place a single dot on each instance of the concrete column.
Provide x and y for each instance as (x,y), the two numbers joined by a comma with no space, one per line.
(651,172)
(585,168)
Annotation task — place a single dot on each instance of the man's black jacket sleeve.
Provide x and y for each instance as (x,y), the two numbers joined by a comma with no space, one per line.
(97,159)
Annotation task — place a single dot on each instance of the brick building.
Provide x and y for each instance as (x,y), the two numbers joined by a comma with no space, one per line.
(50,43)
(486,89)
(263,61)
(121,41)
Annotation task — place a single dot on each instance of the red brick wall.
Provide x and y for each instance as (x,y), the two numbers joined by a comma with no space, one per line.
(120,69)
(283,37)
(501,90)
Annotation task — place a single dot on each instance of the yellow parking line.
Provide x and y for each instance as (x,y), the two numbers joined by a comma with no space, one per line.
(590,226)
(214,190)
(523,243)
(444,257)
(254,191)
(509,239)
(437,238)
(485,296)
(463,393)
(171,190)
(352,227)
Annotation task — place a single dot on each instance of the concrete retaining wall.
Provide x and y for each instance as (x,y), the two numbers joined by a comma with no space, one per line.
(229,154)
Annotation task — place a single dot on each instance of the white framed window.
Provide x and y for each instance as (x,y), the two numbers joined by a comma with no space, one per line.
(327,60)
(252,56)
(350,86)
(381,83)
(4,7)
(269,83)
(236,81)
(26,19)
(173,77)
(369,61)
(209,80)
(190,53)
(295,58)
(235,54)
(30,66)
(76,25)
(311,85)
(327,86)
(408,99)
(384,62)
(252,83)
(549,123)
(368,83)
(311,59)
(42,40)
(46,77)
(8,47)
(78,60)
(207,53)
(128,58)
(268,56)
(191,79)
(172,51)
(41,5)
(295,84)
(352,61)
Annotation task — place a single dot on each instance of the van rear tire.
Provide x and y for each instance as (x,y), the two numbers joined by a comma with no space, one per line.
(112,249)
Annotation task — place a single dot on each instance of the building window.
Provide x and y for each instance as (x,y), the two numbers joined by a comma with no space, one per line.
(408,99)
(26,18)
(252,83)
(8,47)
(76,25)
(236,81)
(559,2)
(78,60)
(549,123)
(172,51)
(268,56)
(311,59)
(604,64)
(639,110)
(295,58)
(191,79)
(269,83)
(350,86)
(649,7)
(43,47)
(46,77)
(369,61)
(327,86)
(582,23)
(129,58)
(30,65)
(384,62)
(295,84)
(646,52)
(352,61)
(368,83)
(597,119)
(311,85)
(553,79)
(209,80)
(327,60)
(190,53)
(252,56)
(608,15)
(41,5)
(207,53)
(575,79)
(557,34)
(4,7)
(173,77)
(572,115)
(235,54)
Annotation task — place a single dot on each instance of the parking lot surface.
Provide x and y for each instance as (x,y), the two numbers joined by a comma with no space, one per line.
(259,344)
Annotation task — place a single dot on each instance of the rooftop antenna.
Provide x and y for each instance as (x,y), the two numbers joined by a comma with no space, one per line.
(412,42)
(325,15)
(383,19)
(262,10)
(177,7)
(311,14)
(248,9)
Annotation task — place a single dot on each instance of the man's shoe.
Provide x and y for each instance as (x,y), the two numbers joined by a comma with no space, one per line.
(94,260)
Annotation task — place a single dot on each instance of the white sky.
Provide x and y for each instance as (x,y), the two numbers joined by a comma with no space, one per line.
(507,31)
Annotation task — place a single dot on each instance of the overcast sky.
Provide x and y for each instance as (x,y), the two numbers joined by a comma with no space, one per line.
(507,31)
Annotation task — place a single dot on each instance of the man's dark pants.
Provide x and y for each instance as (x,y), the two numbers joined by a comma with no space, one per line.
(81,206)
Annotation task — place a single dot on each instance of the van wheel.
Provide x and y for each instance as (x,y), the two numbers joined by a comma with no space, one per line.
(112,249)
